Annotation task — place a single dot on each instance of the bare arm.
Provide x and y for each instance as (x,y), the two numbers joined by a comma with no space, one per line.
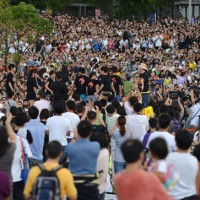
(142,83)
(99,117)
(73,198)
(192,97)
(10,131)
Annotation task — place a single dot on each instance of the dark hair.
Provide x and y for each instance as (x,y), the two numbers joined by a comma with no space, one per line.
(183,139)
(71,105)
(110,109)
(44,114)
(33,112)
(11,66)
(82,70)
(158,147)
(92,74)
(10,94)
(4,144)
(59,75)
(84,128)
(79,108)
(91,115)
(59,107)
(133,100)
(115,103)
(101,138)
(103,102)
(42,94)
(76,97)
(104,69)
(137,107)
(164,120)
(164,109)
(122,122)
(131,150)
(196,152)
(31,72)
(51,72)
(153,122)
(114,69)
(121,111)
(21,118)
(99,104)
(13,110)
(53,149)
(171,111)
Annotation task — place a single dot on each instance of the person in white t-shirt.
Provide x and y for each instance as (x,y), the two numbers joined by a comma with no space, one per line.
(16,168)
(59,127)
(158,40)
(185,166)
(42,103)
(112,117)
(164,121)
(137,124)
(71,116)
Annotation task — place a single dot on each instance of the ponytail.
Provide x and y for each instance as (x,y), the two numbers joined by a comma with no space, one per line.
(122,123)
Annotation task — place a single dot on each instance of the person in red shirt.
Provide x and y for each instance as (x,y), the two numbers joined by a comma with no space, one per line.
(133,183)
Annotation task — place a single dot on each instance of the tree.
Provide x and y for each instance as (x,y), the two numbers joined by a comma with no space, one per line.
(22,20)
(4,4)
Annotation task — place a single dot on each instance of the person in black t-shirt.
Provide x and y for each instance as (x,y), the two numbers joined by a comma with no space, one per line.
(81,83)
(92,87)
(144,82)
(32,87)
(106,83)
(59,88)
(117,83)
(9,82)
(49,83)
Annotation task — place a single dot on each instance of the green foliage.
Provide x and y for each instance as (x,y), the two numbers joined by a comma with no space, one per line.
(22,18)
(4,4)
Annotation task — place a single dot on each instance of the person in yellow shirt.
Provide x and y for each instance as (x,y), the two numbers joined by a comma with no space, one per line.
(66,181)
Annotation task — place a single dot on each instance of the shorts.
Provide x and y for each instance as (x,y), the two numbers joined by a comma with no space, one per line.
(92,98)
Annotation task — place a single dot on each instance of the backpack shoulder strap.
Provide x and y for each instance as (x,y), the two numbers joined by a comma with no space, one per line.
(57,168)
(41,166)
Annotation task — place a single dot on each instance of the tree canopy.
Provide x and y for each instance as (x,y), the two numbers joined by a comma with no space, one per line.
(22,20)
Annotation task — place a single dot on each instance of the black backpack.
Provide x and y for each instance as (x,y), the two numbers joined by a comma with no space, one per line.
(47,185)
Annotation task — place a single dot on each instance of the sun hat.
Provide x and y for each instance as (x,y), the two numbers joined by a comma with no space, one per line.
(143,66)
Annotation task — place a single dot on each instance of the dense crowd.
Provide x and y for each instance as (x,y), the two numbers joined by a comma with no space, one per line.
(102,106)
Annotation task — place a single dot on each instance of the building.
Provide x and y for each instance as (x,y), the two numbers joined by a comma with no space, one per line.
(80,9)
(182,8)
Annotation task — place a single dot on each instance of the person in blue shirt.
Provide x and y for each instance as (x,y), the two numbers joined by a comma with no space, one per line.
(37,130)
(83,156)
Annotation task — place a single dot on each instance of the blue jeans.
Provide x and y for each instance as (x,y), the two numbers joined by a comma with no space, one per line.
(63,158)
(102,196)
(118,98)
(145,100)
(119,166)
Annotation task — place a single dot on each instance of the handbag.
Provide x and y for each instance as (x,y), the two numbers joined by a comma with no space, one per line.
(24,163)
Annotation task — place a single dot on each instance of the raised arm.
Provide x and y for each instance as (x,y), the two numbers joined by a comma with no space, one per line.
(10,131)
